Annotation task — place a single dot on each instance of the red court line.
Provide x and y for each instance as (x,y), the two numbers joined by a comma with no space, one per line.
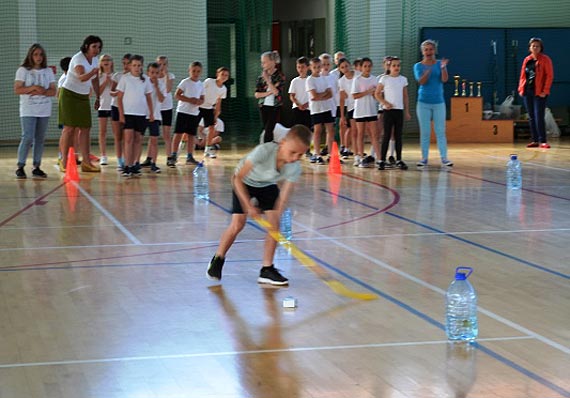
(503,184)
(38,202)
(394,202)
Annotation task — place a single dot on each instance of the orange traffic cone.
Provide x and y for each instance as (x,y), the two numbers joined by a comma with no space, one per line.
(334,164)
(71,173)
(72,193)
(334,185)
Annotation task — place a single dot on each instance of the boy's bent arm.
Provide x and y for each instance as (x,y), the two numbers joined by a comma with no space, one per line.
(241,190)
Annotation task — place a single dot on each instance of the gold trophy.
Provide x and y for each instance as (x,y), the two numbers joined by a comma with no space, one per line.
(456,78)
(471,91)
(479,89)
(464,88)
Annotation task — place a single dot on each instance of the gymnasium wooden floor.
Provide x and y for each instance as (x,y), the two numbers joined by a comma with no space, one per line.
(103,291)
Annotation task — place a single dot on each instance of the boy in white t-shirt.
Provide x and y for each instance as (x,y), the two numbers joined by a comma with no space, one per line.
(299,96)
(158,95)
(320,94)
(392,92)
(214,92)
(326,63)
(190,96)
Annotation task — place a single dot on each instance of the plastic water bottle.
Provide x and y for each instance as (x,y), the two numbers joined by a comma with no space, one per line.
(201,183)
(461,312)
(285,224)
(514,173)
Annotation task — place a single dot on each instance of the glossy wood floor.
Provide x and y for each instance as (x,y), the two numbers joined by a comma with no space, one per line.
(103,291)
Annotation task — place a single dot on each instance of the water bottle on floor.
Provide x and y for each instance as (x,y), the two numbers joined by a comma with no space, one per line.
(461,307)
(201,183)
(285,224)
(514,173)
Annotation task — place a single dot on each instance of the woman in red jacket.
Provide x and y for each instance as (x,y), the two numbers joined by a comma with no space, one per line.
(534,86)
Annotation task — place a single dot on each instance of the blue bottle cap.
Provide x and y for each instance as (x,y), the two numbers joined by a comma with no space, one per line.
(514,156)
(462,273)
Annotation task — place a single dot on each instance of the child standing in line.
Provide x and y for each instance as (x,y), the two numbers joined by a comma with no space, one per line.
(166,79)
(392,92)
(190,95)
(135,103)
(256,180)
(357,64)
(158,95)
(346,105)
(365,113)
(104,111)
(299,96)
(326,63)
(115,124)
(380,122)
(214,92)
(320,94)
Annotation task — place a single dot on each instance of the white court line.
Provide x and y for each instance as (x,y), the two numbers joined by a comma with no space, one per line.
(121,227)
(412,278)
(245,352)
(296,239)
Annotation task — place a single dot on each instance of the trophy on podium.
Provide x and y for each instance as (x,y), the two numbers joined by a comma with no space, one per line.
(471,91)
(464,88)
(479,89)
(456,78)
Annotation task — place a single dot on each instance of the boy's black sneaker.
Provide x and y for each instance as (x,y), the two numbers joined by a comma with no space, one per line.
(38,173)
(368,161)
(271,275)
(320,160)
(154,168)
(190,160)
(324,151)
(126,172)
(391,160)
(171,161)
(147,163)
(381,165)
(401,165)
(136,170)
(214,270)
(21,174)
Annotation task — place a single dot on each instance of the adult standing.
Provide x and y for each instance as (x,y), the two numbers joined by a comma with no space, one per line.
(535,81)
(34,83)
(74,105)
(430,74)
(269,92)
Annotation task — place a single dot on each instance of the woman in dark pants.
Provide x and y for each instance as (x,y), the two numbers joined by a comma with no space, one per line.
(535,81)
(269,92)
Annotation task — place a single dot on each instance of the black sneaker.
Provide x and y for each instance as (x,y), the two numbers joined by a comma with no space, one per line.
(147,163)
(154,168)
(171,161)
(126,172)
(38,173)
(391,160)
(368,161)
(320,160)
(214,270)
(271,276)
(324,151)
(401,165)
(381,165)
(190,160)
(136,170)
(21,174)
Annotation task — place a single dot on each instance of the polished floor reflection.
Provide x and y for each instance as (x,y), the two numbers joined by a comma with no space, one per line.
(103,291)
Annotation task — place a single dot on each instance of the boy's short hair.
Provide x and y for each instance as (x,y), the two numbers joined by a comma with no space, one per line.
(300,132)
(303,60)
(196,63)
(315,60)
(64,63)
(357,62)
(366,59)
(153,65)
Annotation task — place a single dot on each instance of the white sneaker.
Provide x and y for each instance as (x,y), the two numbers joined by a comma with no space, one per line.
(357,160)
(103,161)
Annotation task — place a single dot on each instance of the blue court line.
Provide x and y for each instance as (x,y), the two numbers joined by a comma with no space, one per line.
(531,375)
(467,241)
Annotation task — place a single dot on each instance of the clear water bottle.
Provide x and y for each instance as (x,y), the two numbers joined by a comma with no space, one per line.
(514,173)
(285,224)
(201,183)
(461,308)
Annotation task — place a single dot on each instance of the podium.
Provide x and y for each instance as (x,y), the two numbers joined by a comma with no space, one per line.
(467,125)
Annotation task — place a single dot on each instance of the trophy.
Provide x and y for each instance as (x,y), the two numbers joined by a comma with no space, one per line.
(464,88)
(471,91)
(456,78)
(478,89)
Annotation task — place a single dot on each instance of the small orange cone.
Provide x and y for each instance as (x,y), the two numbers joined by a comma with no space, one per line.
(334,164)
(334,186)
(72,193)
(71,173)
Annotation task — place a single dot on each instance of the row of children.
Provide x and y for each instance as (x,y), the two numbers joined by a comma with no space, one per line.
(362,103)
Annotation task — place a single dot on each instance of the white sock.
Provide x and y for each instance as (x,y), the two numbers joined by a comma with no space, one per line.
(392,147)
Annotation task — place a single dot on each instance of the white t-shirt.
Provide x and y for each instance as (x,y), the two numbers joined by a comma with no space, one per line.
(190,89)
(167,104)
(134,94)
(156,104)
(35,105)
(264,171)
(219,126)
(61,80)
(345,85)
(213,93)
(72,82)
(116,78)
(364,106)
(299,88)
(394,90)
(105,98)
(335,100)
(320,85)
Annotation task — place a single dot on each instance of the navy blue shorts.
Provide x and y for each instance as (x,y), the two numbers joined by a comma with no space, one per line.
(153,128)
(104,114)
(166,117)
(114,114)
(135,122)
(322,118)
(208,116)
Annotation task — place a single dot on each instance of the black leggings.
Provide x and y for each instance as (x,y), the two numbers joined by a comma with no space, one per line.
(269,116)
(393,118)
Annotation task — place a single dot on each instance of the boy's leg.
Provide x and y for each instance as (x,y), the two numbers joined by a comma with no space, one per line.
(153,148)
(270,244)
(360,126)
(175,143)
(373,132)
(317,139)
(229,235)
(129,138)
(330,135)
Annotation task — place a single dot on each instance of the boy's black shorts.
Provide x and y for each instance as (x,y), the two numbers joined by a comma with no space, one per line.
(266,198)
